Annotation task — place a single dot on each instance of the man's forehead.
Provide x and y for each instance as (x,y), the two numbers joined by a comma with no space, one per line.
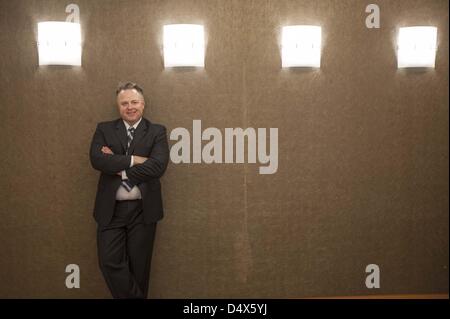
(129,93)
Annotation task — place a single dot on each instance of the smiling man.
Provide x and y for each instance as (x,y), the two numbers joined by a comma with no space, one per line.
(132,154)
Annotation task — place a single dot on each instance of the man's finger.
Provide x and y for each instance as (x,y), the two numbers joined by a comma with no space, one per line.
(107,150)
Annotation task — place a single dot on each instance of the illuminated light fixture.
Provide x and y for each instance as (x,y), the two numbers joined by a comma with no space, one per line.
(301,46)
(416,47)
(59,43)
(184,45)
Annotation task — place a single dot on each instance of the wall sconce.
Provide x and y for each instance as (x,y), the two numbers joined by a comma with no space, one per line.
(416,47)
(301,46)
(59,43)
(184,45)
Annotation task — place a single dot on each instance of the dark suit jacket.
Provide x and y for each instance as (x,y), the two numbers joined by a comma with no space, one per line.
(150,140)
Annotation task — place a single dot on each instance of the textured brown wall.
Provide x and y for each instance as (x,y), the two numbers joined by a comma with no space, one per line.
(363,150)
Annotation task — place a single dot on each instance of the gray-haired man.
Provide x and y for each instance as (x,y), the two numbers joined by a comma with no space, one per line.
(132,154)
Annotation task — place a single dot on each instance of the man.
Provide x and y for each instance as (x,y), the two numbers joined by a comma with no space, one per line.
(132,154)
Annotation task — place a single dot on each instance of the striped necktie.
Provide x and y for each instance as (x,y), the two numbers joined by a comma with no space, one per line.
(126,183)
(130,137)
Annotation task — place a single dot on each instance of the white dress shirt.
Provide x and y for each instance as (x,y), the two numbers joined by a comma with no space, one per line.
(134,193)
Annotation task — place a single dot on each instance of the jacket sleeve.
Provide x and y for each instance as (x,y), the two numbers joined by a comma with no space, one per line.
(106,163)
(156,164)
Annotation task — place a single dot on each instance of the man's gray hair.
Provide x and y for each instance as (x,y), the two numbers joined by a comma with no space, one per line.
(129,86)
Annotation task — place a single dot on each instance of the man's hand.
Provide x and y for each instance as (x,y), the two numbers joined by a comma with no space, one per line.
(107,150)
(139,159)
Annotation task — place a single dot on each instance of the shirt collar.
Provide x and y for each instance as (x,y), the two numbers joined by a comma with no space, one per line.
(135,125)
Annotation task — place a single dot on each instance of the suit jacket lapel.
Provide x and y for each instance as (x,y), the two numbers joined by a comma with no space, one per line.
(140,132)
(121,133)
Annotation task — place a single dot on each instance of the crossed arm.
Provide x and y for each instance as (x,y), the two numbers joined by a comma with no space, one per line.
(134,158)
(155,165)
(143,168)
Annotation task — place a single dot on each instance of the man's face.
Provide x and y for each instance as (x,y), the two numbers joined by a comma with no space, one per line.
(131,105)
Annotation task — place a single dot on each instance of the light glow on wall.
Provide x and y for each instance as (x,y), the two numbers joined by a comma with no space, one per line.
(184,45)
(301,46)
(416,47)
(59,43)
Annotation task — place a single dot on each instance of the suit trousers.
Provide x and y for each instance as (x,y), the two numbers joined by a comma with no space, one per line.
(125,249)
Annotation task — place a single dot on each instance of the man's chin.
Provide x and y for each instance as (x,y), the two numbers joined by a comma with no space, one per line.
(131,120)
